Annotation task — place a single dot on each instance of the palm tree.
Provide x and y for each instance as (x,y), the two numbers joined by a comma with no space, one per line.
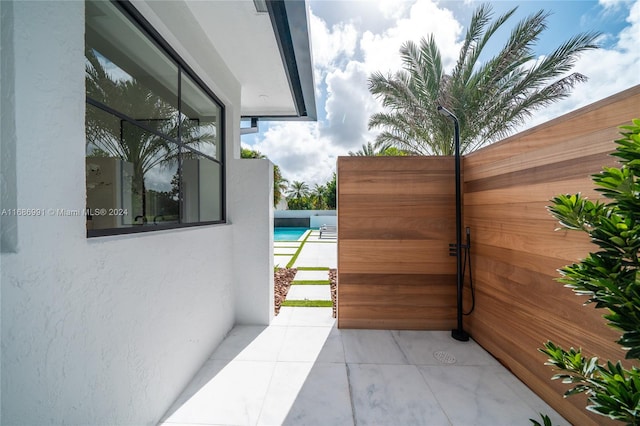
(318,195)
(369,150)
(298,196)
(491,98)
(250,153)
(377,150)
(298,190)
(392,151)
(331,192)
(280,185)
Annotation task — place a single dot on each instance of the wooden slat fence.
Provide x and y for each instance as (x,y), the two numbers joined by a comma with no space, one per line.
(395,221)
(516,250)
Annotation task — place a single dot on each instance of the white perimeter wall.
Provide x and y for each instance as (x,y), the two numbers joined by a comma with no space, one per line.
(318,221)
(317,218)
(104,330)
(253,230)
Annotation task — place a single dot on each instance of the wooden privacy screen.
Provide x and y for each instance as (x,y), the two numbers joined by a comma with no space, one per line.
(396,218)
(516,251)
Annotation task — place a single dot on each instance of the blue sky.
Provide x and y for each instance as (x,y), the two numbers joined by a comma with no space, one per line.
(351,39)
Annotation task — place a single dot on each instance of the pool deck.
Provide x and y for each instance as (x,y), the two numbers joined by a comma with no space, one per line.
(303,370)
(316,252)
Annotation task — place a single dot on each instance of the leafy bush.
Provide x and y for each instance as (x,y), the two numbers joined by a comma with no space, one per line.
(546,421)
(609,278)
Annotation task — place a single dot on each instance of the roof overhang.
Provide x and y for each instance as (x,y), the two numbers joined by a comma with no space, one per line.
(291,29)
(269,53)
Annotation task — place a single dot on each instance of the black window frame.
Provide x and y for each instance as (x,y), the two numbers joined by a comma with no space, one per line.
(145,27)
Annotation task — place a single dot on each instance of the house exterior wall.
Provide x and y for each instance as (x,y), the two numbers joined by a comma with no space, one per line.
(254,297)
(105,330)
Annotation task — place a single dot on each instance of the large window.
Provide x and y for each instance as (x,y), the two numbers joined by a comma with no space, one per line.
(154,148)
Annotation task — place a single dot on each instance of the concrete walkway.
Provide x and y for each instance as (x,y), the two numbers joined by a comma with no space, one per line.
(315,253)
(318,253)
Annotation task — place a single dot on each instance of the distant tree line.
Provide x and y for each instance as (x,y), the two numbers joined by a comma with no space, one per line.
(320,197)
(298,194)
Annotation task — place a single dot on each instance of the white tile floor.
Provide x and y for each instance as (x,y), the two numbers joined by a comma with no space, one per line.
(281,261)
(290,251)
(309,292)
(317,254)
(294,244)
(303,275)
(302,370)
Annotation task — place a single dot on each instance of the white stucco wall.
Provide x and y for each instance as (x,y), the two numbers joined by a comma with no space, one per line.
(104,330)
(253,215)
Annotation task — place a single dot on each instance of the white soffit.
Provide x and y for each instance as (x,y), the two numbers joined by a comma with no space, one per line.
(246,41)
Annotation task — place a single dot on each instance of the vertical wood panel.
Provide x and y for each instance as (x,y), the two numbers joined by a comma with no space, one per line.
(396,218)
(516,251)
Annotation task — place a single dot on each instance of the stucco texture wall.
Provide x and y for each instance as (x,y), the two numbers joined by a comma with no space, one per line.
(104,330)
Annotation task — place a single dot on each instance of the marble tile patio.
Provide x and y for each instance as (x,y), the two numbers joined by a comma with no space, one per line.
(302,370)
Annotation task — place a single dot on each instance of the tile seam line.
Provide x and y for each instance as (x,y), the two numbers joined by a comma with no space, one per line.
(353,407)
(264,398)
(435,394)
(399,346)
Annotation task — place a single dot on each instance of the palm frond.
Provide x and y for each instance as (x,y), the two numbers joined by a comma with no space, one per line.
(490,100)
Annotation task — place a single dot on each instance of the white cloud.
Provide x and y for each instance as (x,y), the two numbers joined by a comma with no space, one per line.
(609,71)
(612,4)
(394,9)
(329,44)
(349,106)
(630,35)
(425,18)
(300,151)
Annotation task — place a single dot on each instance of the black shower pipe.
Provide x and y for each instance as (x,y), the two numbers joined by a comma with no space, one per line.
(457,333)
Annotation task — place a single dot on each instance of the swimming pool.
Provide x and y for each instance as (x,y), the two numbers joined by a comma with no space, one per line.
(288,234)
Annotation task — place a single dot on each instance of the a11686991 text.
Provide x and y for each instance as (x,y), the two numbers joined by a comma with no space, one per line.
(34,212)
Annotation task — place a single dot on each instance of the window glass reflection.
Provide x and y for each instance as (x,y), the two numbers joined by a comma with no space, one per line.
(126,71)
(200,120)
(160,203)
(201,189)
(133,177)
(154,145)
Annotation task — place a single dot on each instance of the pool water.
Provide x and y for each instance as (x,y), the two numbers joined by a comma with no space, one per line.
(288,234)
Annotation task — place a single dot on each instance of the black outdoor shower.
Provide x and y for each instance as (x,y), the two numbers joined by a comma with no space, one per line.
(458,333)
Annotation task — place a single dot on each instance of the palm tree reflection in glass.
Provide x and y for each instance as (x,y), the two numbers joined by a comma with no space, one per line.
(137,140)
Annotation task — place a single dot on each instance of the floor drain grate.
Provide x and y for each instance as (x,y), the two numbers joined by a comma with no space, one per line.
(444,357)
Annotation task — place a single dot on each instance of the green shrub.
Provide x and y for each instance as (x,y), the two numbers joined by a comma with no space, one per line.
(609,278)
